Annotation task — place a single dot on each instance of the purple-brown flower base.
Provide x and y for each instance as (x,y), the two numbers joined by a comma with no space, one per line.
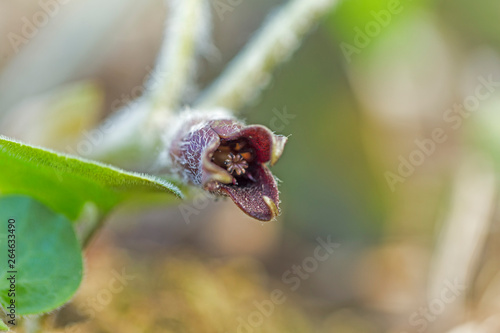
(230,159)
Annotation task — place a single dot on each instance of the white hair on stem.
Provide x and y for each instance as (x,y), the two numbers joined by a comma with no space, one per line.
(139,130)
(273,44)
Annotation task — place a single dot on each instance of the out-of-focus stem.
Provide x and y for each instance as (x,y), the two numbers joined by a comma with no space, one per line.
(188,20)
(135,138)
(463,236)
(250,72)
(133,133)
(32,325)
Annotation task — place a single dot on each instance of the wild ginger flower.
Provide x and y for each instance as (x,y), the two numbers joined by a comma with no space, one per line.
(227,158)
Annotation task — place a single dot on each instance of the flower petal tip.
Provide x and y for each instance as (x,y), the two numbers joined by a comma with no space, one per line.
(273,208)
(279,142)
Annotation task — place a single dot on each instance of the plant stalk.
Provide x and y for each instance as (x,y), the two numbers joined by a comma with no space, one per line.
(250,72)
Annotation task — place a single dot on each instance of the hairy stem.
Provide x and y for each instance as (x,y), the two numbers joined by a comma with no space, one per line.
(32,325)
(250,72)
(174,69)
(135,139)
(135,129)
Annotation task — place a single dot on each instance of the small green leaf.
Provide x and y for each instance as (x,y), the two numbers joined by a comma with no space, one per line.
(3,327)
(48,260)
(66,183)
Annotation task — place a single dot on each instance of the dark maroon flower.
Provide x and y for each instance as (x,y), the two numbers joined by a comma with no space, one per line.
(227,158)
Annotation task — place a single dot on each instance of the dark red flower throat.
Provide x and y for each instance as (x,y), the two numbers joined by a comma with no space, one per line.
(236,157)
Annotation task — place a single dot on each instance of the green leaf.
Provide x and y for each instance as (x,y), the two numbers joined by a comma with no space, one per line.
(3,327)
(48,260)
(66,183)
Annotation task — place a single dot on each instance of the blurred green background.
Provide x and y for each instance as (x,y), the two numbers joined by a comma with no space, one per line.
(353,117)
